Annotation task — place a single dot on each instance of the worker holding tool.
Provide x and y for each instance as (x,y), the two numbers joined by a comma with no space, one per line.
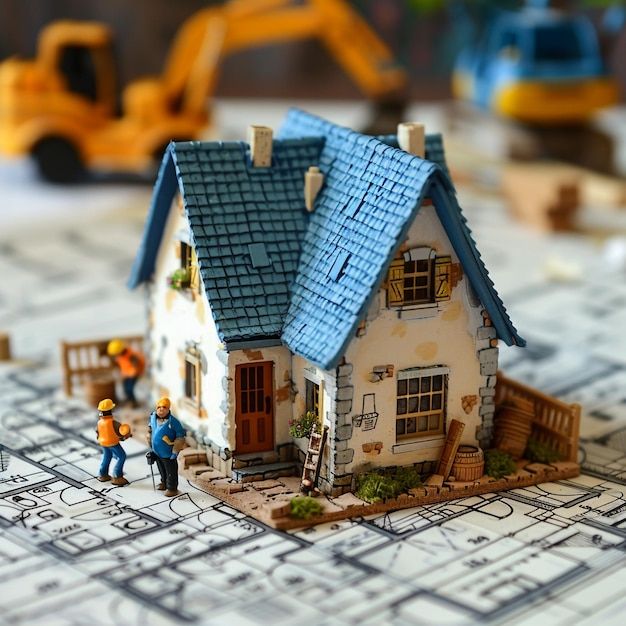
(166,439)
(110,432)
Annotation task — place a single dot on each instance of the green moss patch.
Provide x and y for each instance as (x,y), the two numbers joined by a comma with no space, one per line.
(498,464)
(304,508)
(377,487)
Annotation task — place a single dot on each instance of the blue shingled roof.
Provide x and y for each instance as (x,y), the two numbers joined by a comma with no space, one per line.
(246,224)
(371,195)
(274,274)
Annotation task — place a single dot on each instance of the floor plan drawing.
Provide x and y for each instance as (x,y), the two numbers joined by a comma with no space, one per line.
(76,551)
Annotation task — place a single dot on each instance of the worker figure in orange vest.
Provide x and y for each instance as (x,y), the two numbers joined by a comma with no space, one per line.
(110,432)
(131,363)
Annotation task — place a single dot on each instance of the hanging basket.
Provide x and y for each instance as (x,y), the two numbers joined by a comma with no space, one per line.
(369,416)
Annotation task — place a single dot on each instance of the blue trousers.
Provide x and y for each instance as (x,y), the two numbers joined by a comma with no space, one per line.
(129,388)
(109,452)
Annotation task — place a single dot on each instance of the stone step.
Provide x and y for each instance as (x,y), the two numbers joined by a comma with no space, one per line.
(252,459)
(267,471)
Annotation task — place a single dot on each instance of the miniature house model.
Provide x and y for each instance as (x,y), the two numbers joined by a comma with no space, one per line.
(320,271)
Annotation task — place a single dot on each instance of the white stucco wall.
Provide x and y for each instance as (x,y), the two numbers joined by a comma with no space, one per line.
(175,320)
(444,336)
(178,319)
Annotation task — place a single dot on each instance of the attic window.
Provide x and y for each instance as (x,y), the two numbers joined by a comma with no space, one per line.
(339,265)
(419,277)
(258,255)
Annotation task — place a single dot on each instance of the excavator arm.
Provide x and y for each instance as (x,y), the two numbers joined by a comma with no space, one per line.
(192,70)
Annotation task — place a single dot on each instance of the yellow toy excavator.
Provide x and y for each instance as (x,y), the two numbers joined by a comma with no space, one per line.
(61,106)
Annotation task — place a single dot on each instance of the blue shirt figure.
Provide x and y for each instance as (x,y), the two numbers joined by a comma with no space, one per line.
(167,439)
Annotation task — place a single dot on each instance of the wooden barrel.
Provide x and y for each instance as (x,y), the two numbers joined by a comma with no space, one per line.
(98,388)
(469,464)
(512,426)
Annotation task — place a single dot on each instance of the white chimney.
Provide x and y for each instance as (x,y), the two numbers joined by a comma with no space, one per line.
(260,140)
(411,138)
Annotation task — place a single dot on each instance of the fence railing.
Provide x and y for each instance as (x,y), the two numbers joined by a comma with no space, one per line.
(83,360)
(555,423)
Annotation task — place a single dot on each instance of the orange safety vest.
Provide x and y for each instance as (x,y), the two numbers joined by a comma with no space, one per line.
(108,430)
(131,363)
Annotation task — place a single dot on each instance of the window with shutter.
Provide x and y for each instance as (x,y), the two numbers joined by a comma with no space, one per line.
(419,277)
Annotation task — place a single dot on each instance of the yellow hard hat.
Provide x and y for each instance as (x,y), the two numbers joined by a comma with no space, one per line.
(115,347)
(164,402)
(106,405)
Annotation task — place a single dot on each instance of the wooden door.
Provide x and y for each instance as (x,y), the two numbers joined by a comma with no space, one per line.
(254,415)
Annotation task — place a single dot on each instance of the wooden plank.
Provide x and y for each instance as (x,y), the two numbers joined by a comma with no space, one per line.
(450,447)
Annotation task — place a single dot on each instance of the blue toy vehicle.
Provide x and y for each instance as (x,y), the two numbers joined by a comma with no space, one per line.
(538,66)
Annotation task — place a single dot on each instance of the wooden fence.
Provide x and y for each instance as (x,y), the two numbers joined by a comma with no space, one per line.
(84,360)
(555,423)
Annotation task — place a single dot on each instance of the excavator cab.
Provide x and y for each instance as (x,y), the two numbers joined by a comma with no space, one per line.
(47,103)
(77,65)
(538,66)
(79,54)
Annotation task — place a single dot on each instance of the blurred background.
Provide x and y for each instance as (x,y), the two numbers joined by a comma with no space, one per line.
(258,80)
(424,35)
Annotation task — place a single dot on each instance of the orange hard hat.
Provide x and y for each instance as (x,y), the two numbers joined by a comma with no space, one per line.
(106,405)
(115,347)
(163,402)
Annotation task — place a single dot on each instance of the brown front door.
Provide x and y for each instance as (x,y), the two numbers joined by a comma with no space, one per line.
(254,415)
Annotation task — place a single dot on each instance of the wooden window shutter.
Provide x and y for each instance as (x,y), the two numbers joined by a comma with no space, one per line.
(194,274)
(395,283)
(442,285)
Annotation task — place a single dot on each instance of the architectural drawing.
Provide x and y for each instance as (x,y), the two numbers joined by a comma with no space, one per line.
(71,546)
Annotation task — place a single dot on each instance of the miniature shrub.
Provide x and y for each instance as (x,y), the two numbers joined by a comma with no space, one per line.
(498,463)
(305,507)
(377,487)
(408,478)
(539,452)
(304,425)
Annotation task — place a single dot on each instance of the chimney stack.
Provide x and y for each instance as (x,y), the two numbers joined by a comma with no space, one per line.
(260,140)
(411,138)
(313,180)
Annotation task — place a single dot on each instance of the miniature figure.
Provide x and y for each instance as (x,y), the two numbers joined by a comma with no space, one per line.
(166,437)
(110,432)
(132,364)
